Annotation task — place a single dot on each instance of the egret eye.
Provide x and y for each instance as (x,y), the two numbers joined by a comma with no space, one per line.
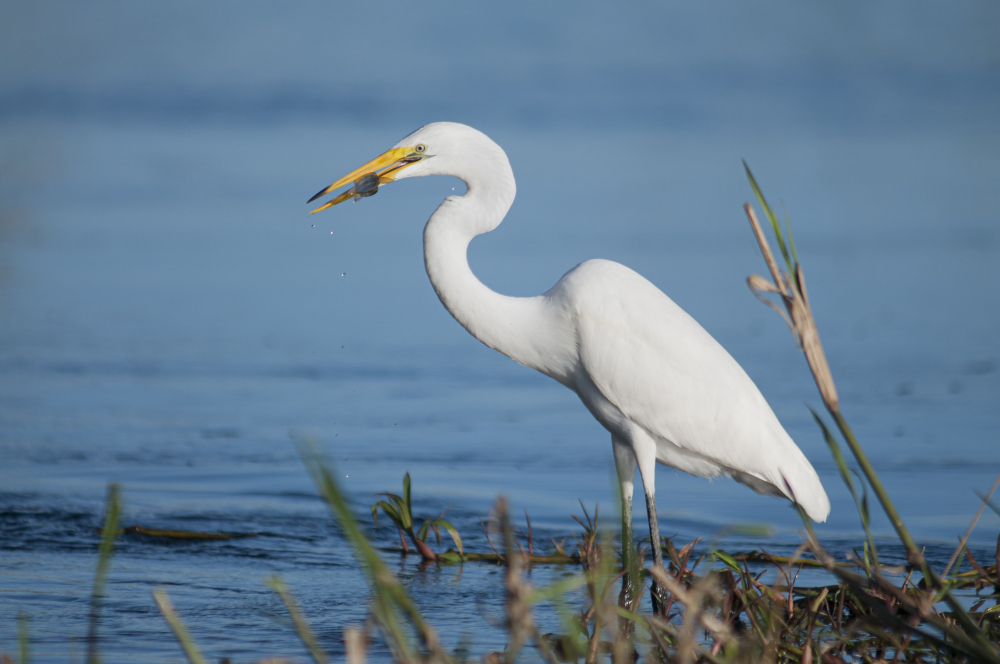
(421,148)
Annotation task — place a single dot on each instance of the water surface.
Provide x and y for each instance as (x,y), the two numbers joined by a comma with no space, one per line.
(170,317)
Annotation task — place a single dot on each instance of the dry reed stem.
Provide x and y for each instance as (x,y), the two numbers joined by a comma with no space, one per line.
(965,538)
(354,645)
(695,615)
(796,301)
(804,325)
(520,621)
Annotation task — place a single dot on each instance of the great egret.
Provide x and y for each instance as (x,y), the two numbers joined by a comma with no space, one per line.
(650,374)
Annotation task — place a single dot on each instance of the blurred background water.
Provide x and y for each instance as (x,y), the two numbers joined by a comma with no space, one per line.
(169,315)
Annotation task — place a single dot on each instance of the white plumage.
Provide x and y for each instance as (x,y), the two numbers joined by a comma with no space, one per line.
(651,375)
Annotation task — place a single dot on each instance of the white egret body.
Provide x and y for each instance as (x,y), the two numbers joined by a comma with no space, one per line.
(650,374)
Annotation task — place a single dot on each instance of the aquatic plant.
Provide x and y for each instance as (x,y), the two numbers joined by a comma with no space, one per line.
(399,509)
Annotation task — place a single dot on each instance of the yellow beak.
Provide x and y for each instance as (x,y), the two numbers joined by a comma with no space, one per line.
(367,179)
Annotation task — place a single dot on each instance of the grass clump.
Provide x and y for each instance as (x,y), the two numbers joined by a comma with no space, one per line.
(399,509)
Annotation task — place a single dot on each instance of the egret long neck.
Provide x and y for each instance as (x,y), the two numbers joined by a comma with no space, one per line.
(519,327)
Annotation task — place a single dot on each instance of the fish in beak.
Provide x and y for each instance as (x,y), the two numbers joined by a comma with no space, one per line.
(366,179)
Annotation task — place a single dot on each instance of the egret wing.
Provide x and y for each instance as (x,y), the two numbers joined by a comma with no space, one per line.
(664,372)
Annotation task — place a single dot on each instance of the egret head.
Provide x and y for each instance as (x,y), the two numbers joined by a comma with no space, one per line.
(440,148)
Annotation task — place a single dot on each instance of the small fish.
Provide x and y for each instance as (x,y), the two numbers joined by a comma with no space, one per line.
(366,185)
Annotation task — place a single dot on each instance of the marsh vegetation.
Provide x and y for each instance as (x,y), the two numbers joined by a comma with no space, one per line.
(878,603)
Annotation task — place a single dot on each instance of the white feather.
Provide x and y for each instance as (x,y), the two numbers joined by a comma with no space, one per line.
(650,374)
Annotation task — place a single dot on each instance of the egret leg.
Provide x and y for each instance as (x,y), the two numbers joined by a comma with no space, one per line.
(644,449)
(654,537)
(625,465)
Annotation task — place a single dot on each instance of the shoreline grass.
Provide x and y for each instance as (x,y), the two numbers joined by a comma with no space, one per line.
(718,609)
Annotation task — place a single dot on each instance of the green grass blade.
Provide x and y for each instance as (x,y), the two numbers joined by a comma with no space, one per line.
(397,511)
(771,217)
(390,511)
(298,619)
(389,598)
(845,474)
(23,641)
(379,577)
(791,238)
(451,530)
(864,509)
(407,504)
(422,533)
(557,589)
(574,639)
(112,510)
(729,561)
(188,645)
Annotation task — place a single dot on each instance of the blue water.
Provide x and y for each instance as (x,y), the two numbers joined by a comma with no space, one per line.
(170,317)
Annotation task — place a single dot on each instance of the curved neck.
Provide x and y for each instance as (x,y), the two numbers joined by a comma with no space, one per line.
(519,327)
